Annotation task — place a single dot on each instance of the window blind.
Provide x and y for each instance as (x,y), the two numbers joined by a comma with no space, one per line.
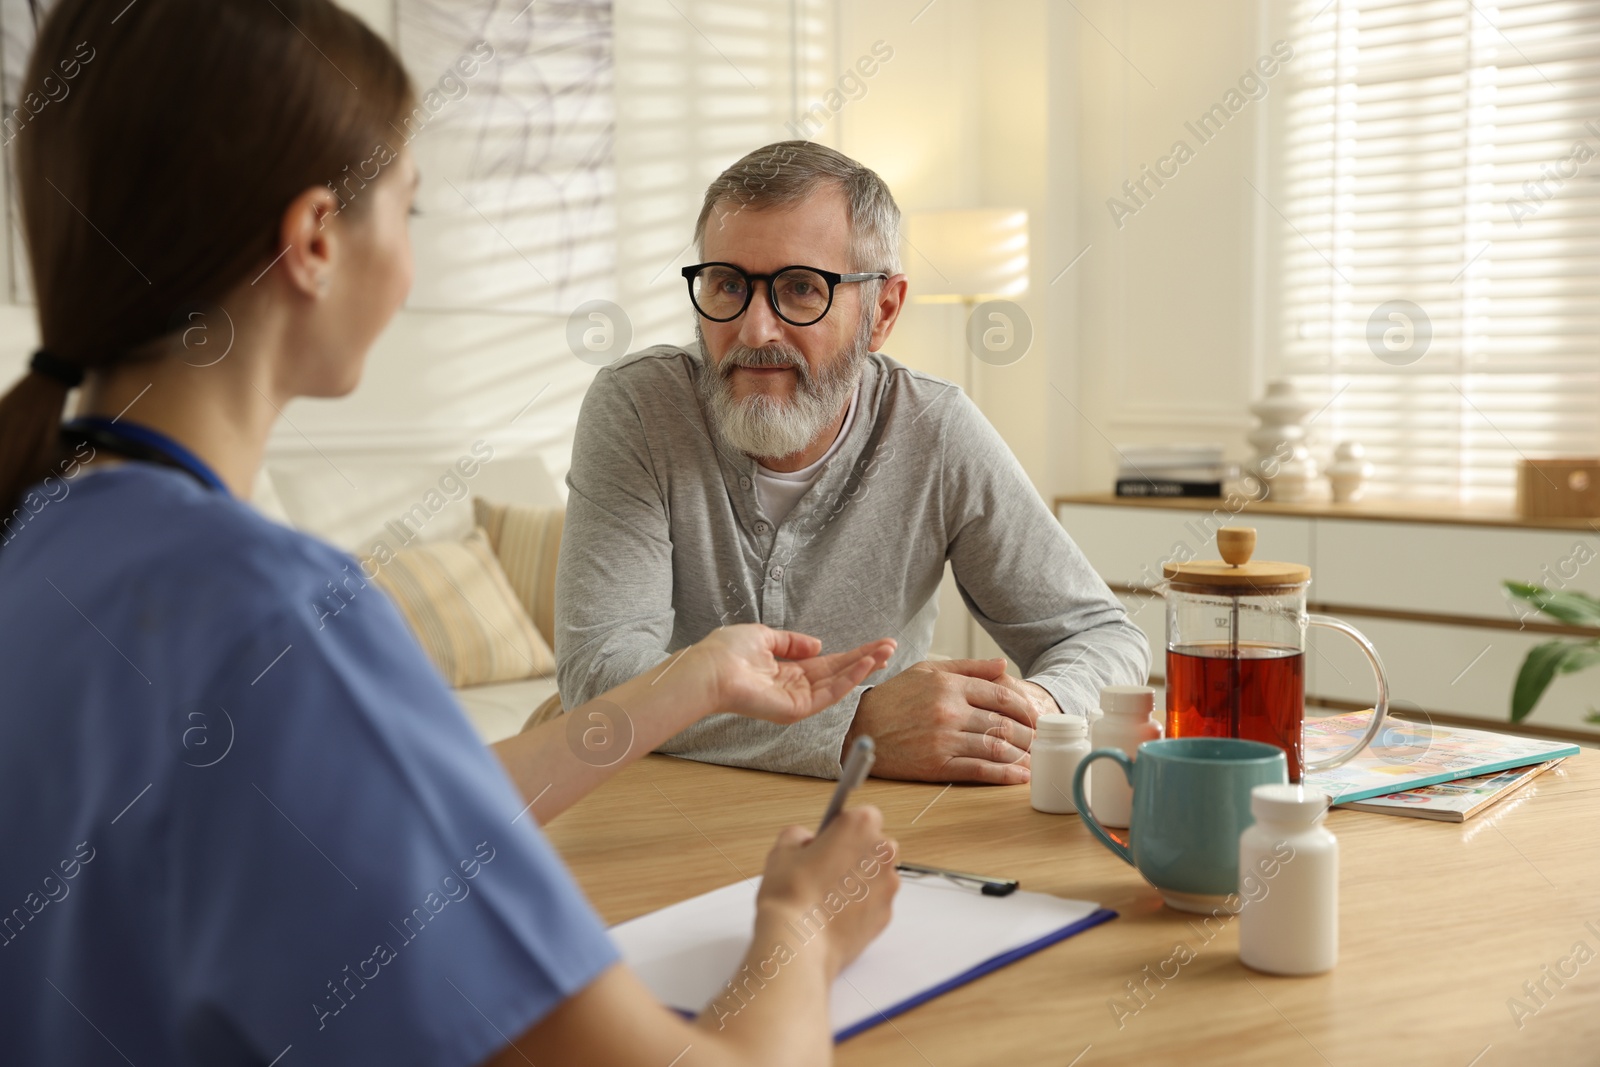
(1444,154)
(513,135)
(571,167)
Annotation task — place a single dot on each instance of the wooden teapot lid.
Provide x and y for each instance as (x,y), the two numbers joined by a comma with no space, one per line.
(1234,572)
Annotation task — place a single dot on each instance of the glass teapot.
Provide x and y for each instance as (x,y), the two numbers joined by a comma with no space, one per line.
(1236,645)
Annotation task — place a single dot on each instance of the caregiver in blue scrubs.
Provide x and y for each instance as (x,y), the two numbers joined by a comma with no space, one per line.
(353,878)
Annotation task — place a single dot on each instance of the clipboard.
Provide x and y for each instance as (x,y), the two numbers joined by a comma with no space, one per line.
(942,936)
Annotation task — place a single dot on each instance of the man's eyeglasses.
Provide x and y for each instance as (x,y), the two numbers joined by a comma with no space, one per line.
(799,296)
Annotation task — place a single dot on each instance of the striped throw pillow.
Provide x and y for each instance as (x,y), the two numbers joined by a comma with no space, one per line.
(527,542)
(466,616)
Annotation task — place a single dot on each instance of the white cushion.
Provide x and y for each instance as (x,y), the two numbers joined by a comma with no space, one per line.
(352,501)
(499,710)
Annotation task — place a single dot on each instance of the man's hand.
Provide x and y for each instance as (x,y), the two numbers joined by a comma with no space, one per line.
(1036,694)
(961,720)
(777,675)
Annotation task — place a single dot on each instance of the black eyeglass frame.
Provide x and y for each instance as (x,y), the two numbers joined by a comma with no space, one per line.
(833,278)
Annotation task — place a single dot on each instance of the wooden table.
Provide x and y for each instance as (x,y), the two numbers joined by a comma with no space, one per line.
(1442,924)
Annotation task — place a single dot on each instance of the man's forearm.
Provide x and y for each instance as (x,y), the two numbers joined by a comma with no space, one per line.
(1074,671)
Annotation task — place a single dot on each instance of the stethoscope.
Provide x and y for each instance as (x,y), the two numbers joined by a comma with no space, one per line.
(132,441)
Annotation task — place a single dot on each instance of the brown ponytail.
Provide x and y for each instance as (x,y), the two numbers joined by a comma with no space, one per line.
(157,182)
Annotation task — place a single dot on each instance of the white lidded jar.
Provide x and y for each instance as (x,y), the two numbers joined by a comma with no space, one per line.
(1289,883)
(1059,744)
(1128,722)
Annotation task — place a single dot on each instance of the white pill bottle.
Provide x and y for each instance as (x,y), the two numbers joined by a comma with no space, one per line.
(1128,722)
(1059,744)
(1289,883)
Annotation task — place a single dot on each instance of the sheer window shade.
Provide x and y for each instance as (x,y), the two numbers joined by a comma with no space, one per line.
(1437,152)
(571,168)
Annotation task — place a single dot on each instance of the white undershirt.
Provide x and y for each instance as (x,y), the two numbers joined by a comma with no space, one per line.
(777,492)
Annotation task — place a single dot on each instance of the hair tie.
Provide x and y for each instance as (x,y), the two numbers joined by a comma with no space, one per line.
(56,368)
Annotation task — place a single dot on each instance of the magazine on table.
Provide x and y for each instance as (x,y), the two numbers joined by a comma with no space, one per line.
(1455,801)
(1407,755)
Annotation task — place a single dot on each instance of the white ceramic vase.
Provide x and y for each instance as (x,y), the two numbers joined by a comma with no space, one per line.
(1348,472)
(1282,463)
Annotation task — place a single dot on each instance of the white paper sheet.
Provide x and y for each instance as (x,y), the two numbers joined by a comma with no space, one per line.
(687,953)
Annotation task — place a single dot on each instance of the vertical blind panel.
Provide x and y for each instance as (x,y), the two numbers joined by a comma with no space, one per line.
(1440,152)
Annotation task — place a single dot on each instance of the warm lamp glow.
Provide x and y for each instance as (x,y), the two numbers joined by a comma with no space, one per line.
(967,255)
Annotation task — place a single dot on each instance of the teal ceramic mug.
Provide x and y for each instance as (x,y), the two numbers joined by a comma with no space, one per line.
(1191,801)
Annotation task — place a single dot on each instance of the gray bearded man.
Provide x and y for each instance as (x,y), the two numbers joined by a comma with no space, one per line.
(791,474)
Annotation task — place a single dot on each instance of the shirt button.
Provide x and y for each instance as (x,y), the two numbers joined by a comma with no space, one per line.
(777,572)
(744,483)
(762,527)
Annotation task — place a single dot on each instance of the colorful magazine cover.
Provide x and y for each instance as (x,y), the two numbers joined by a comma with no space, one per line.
(1407,755)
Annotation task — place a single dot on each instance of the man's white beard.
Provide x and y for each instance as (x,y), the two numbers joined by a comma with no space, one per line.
(767,427)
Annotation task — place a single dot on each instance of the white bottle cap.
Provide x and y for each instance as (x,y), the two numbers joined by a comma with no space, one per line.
(1060,726)
(1292,804)
(1128,700)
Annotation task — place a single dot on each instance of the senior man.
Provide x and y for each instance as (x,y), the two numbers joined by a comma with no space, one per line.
(789,473)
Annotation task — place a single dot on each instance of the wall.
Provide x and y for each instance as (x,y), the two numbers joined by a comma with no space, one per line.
(961,118)
(1168,330)
(1153,335)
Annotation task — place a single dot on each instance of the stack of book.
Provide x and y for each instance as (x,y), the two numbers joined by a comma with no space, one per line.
(1170,470)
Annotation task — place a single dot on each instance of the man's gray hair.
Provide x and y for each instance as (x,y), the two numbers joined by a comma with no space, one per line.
(790,171)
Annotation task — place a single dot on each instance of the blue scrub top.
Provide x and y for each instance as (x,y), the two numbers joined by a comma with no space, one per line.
(236,825)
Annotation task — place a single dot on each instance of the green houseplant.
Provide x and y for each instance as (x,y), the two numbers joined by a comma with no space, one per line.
(1551,658)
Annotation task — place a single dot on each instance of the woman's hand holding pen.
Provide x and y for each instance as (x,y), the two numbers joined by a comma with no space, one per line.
(777,675)
(838,885)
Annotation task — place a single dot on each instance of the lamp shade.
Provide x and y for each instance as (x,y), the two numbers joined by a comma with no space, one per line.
(967,255)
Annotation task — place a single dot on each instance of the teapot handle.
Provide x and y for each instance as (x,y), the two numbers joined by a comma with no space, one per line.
(1380,709)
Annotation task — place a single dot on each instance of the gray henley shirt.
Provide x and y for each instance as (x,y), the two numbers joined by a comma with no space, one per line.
(665,540)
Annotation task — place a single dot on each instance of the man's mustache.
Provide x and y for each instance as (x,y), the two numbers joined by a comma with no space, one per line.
(766,356)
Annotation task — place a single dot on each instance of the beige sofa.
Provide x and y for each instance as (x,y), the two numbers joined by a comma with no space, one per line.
(352,500)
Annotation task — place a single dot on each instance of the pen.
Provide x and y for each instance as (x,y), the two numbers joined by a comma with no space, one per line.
(991,887)
(856,766)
